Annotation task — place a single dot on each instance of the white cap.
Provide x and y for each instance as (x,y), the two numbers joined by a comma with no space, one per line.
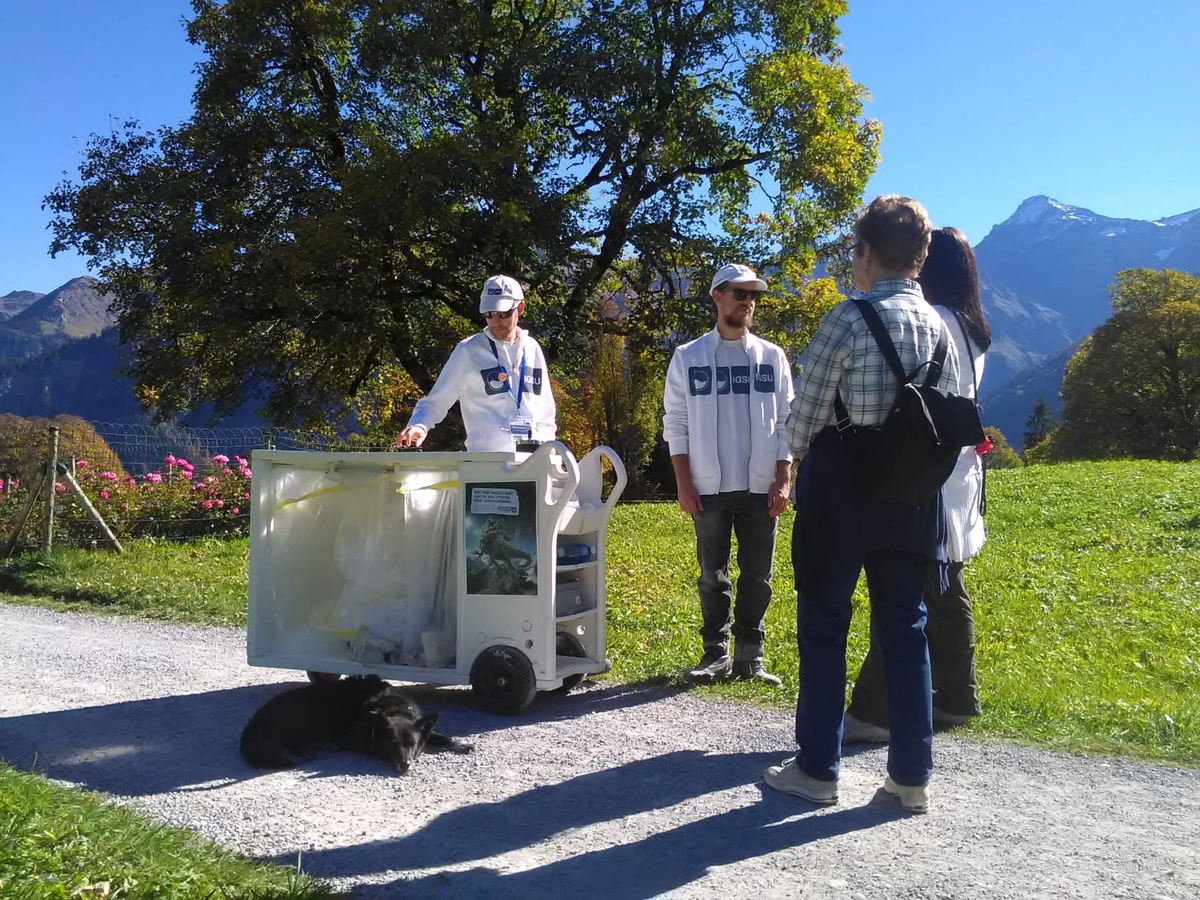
(739,276)
(500,294)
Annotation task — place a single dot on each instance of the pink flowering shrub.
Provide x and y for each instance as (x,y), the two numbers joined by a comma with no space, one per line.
(179,500)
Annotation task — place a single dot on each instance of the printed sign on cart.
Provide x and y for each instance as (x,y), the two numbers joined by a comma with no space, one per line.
(500,540)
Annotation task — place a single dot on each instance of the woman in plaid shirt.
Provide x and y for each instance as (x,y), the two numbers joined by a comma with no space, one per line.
(841,530)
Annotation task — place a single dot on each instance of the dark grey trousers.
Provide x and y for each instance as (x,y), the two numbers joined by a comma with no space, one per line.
(744,515)
(950,629)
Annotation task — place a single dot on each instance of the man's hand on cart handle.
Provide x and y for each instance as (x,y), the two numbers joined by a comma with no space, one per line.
(411,436)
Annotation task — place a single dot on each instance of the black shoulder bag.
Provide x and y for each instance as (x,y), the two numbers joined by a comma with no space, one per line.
(908,458)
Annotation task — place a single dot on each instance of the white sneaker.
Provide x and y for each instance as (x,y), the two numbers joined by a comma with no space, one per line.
(856,731)
(913,798)
(788,779)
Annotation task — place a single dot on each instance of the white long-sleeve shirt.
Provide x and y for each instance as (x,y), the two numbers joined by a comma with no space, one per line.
(690,420)
(483,375)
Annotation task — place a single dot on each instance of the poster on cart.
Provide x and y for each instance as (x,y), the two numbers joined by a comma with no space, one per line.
(501,537)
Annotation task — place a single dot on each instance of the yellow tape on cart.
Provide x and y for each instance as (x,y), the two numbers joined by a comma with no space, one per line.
(342,488)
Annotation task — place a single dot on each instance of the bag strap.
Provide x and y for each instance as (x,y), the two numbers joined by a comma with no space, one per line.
(971,356)
(888,348)
(983,487)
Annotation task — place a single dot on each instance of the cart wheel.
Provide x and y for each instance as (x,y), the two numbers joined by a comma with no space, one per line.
(569,645)
(323,677)
(503,680)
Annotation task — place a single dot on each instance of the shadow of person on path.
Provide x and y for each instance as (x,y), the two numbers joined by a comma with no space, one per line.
(485,830)
(657,864)
(151,746)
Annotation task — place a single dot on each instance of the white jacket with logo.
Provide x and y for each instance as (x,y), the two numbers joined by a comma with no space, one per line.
(471,377)
(690,420)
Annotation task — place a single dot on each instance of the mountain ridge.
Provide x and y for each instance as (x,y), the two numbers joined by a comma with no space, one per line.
(1045,271)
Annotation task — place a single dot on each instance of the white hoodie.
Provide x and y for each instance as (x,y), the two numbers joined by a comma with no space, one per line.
(484,382)
(690,410)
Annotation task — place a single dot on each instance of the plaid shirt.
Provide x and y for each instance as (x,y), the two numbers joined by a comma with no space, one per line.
(843,356)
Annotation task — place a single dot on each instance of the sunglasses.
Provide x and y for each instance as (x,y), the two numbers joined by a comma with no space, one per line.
(741,293)
(494,314)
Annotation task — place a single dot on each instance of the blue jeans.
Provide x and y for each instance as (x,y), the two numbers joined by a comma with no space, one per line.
(824,584)
(724,515)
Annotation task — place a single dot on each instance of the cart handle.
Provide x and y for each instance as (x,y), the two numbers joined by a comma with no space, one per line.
(566,478)
(591,477)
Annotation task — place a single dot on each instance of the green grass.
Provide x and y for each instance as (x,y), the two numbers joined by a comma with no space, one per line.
(1088,608)
(57,842)
(200,581)
(1087,615)
(1087,601)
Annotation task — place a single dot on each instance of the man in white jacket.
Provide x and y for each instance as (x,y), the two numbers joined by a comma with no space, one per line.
(726,398)
(498,376)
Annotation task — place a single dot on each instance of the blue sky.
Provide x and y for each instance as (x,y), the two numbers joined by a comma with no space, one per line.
(984,103)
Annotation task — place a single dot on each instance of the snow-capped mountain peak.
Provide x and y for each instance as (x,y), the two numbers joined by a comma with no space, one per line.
(1046,209)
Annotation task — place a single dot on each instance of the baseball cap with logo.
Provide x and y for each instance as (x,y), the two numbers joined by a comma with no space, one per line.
(500,294)
(738,276)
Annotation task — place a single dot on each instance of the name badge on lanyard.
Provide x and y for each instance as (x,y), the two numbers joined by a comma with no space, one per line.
(519,426)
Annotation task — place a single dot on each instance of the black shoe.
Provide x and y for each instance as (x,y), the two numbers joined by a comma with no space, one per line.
(754,671)
(715,665)
(949,720)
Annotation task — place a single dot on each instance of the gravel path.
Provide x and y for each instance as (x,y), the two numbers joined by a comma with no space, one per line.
(611,792)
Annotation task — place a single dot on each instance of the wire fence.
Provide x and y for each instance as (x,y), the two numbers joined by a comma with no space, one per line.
(141,480)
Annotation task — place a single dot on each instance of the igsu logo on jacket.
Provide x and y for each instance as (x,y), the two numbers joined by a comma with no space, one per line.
(733,379)
(764,378)
(495,380)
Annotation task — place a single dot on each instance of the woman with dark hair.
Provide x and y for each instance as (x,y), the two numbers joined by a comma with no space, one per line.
(951,284)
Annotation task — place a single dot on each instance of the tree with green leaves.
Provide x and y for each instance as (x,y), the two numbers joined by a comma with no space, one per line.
(352,170)
(1001,456)
(1133,387)
(1038,426)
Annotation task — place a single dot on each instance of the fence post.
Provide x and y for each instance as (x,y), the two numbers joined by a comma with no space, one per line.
(80,496)
(51,471)
(39,483)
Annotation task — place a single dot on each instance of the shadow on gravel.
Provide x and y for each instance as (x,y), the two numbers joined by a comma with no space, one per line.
(144,747)
(655,864)
(140,746)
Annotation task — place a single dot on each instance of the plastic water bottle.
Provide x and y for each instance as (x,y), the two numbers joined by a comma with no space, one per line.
(574,554)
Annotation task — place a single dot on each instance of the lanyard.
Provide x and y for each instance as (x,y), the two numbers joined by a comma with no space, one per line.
(507,381)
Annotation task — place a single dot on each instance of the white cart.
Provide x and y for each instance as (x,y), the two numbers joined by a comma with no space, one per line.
(446,568)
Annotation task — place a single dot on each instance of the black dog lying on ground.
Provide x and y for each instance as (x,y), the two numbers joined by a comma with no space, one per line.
(391,724)
(361,714)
